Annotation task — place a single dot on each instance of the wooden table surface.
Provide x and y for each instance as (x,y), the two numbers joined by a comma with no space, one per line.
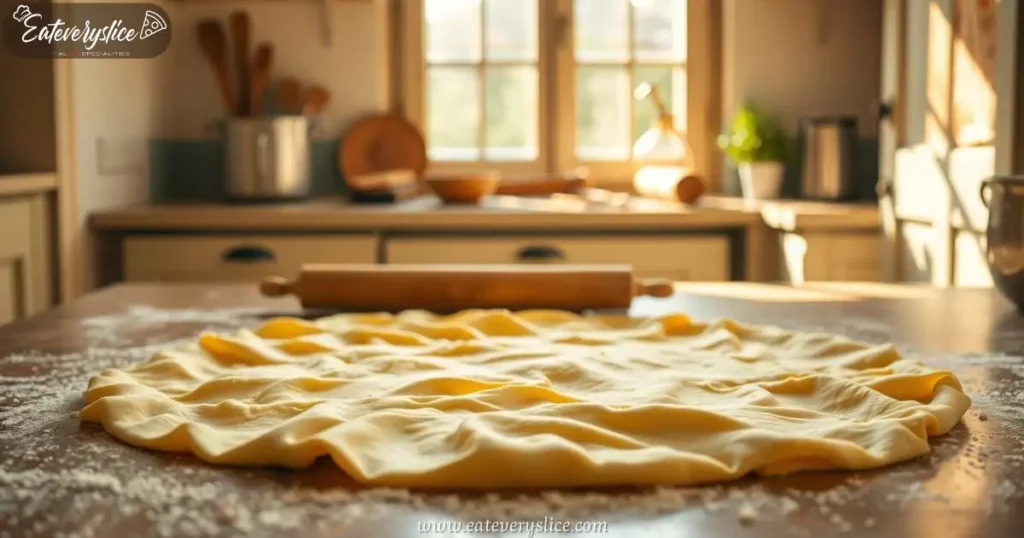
(59,477)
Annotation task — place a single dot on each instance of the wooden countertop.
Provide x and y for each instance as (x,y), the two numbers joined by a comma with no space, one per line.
(57,474)
(793,215)
(499,212)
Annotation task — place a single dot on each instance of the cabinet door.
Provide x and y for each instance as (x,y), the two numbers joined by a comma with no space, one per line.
(25,286)
(916,253)
(697,258)
(841,257)
(237,258)
(970,267)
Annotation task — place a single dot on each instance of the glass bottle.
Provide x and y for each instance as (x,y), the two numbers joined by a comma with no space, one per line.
(662,153)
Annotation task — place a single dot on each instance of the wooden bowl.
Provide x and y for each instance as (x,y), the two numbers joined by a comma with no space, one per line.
(467,188)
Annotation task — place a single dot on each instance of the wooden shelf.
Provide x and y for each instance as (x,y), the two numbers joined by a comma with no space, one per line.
(15,184)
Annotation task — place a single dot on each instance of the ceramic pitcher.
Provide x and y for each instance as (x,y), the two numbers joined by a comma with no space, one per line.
(1004,197)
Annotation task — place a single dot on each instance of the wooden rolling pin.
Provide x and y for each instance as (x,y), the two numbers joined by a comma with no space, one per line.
(541,186)
(448,288)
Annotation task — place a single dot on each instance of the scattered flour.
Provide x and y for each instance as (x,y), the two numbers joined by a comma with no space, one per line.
(114,329)
(747,514)
(65,479)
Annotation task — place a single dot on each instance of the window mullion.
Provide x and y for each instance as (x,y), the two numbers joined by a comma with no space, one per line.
(630,83)
(546,62)
(561,87)
(482,75)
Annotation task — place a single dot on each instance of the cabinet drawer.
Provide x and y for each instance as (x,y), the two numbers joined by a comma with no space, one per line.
(680,258)
(855,258)
(235,258)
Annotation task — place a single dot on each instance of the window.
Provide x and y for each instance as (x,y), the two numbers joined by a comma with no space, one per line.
(543,86)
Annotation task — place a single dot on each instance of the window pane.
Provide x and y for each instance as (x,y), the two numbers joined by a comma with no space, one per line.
(452,29)
(659,29)
(601,29)
(671,85)
(602,113)
(453,113)
(511,29)
(511,113)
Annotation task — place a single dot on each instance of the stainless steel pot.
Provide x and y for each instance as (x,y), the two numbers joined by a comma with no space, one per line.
(1004,196)
(267,157)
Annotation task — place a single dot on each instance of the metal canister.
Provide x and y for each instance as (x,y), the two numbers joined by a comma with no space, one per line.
(267,157)
(829,156)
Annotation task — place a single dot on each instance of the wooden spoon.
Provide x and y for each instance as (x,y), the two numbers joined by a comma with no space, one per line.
(214,45)
(289,96)
(240,30)
(260,73)
(316,100)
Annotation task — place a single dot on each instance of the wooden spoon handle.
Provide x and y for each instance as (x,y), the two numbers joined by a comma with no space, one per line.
(240,30)
(260,74)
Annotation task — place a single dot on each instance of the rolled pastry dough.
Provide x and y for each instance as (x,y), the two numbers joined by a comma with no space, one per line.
(490,399)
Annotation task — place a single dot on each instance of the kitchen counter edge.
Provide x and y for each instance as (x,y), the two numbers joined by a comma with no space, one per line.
(717,213)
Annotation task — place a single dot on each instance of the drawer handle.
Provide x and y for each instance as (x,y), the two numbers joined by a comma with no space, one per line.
(248,254)
(539,253)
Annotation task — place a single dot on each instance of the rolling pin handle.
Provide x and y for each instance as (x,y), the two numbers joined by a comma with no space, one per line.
(276,286)
(656,287)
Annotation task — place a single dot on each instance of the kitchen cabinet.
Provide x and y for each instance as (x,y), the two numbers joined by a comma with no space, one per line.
(39,223)
(829,256)
(722,241)
(970,266)
(919,252)
(237,258)
(952,118)
(685,258)
(916,254)
(25,273)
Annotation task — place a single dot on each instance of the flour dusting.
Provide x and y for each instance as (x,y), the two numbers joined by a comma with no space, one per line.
(116,329)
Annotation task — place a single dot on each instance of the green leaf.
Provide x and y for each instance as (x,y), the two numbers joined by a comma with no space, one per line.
(753,136)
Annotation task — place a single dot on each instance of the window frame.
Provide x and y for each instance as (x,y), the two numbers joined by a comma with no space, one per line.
(556,86)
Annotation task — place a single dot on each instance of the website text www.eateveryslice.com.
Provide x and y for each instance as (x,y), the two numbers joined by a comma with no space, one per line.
(528,528)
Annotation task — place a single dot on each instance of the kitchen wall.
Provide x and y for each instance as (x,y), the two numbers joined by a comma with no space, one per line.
(806,57)
(115,106)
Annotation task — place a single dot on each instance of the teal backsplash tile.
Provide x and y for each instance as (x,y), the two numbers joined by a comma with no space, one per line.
(193,170)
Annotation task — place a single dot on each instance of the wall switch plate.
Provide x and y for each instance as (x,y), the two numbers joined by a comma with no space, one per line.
(116,157)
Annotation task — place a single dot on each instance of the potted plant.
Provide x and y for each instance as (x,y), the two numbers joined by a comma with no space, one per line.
(755,141)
